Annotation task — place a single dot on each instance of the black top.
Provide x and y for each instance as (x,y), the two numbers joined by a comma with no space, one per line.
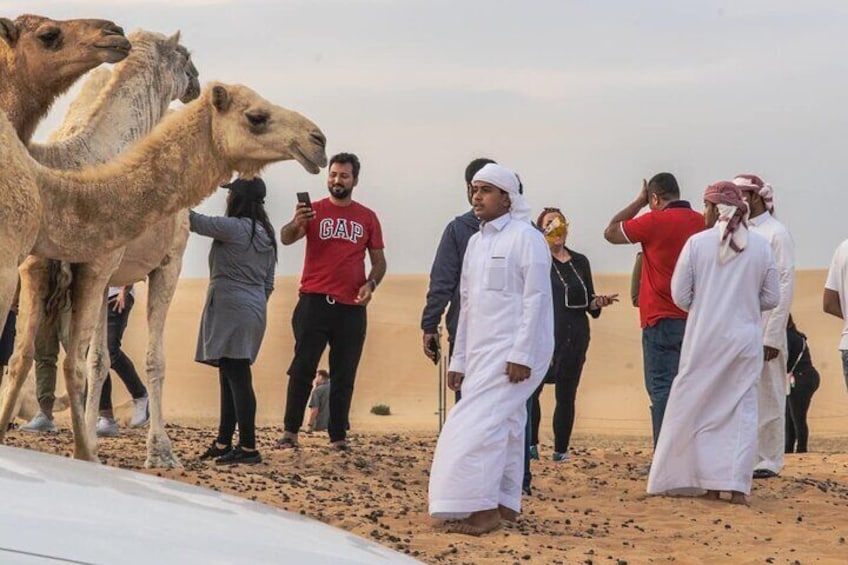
(797,342)
(571,302)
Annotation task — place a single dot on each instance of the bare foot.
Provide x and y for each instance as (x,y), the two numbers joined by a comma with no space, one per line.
(507,514)
(711,495)
(737,497)
(478,523)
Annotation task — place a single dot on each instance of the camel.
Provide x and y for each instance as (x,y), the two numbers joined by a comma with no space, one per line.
(40,59)
(136,96)
(229,129)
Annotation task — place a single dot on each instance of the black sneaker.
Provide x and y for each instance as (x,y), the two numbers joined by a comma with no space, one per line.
(214,451)
(238,455)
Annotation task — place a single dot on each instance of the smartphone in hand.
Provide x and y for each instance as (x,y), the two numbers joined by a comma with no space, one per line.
(304,197)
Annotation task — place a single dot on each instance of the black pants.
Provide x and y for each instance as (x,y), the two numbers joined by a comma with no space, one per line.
(7,340)
(238,402)
(797,405)
(567,381)
(121,363)
(318,322)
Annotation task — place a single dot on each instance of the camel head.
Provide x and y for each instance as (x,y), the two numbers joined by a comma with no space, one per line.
(251,133)
(54,54)
(173,61)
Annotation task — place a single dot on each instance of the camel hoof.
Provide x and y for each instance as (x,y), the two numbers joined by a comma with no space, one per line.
(162,461)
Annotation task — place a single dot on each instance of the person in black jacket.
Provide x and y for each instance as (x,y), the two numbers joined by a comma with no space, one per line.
(573,298)
(804,380)
(446,270)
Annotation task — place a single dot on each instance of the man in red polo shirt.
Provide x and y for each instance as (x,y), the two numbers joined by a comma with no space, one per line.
(333,294)
(662,232)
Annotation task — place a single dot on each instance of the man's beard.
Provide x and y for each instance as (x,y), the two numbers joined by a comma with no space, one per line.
(339,191)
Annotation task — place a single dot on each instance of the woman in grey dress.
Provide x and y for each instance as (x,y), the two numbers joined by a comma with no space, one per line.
(241,272)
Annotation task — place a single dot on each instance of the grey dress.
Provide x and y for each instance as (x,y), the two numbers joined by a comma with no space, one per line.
(241,278)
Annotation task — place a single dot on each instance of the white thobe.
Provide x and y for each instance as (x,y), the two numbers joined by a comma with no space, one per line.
(771,428)
(709,436)
(505,316)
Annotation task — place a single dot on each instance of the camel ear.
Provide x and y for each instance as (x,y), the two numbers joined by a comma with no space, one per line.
(8,31)
(174,40)
(220,98)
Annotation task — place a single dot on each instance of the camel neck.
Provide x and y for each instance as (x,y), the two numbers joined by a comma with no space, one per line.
(105,207)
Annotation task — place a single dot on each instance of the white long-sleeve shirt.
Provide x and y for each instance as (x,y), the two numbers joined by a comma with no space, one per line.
(783,247)
(505,294)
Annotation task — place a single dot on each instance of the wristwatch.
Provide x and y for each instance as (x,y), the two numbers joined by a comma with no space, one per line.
(373,284)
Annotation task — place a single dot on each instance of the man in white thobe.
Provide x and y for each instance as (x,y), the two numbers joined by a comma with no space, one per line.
(771,428)
(725,277)
(504,343)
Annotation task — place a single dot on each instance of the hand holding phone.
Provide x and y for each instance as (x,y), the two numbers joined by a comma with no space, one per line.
(304,198)
(303,212)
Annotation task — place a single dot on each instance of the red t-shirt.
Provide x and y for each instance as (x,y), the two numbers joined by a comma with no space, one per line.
(662,234)
(336,240)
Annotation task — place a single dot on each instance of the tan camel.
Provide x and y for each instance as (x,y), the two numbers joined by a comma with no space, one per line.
(136,96)
(91,212)
(40,59)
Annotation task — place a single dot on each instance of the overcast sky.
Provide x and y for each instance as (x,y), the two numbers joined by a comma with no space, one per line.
(583,99)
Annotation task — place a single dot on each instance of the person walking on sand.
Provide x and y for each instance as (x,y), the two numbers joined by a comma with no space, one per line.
(242,262)
(121,300)
(334,293)
(725,277)
(662,233)
(771,434)
(804,382)
(504,344)
(574,300)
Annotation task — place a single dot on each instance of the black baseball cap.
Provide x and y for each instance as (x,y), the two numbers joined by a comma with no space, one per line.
(254,188)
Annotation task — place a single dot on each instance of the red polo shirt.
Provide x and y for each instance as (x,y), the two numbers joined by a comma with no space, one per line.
(662,234)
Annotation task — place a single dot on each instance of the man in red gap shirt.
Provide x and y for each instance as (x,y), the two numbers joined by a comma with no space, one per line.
(333,294)
(662,232)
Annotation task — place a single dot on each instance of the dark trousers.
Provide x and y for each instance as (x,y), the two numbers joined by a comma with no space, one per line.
(238,402)
(566,395)
(7,340)
(317,322)
(661,345)
(797,405)
(121,363)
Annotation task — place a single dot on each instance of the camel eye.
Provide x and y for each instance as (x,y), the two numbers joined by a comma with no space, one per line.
(50,36)
(257,120)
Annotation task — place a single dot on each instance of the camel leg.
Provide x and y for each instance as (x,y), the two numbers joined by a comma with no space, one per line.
(89,293)
(162,283)
(98,369)
(34,281)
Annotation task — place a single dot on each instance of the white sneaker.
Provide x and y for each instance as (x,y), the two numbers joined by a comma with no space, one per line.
(39,424)
(107,427)
(141,413)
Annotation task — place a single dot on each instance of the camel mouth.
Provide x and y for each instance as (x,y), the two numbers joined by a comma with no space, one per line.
(192,91)
(311,166)
(115,48)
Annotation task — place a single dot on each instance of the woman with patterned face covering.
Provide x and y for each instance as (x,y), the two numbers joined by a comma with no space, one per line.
(573,298)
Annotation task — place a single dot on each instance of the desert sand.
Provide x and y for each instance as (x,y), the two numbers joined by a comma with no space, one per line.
(592,509)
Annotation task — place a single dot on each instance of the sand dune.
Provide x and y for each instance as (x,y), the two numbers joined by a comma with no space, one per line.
(393,371)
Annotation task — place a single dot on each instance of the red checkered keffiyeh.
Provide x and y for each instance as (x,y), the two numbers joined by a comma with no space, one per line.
(753,183)
(733,218)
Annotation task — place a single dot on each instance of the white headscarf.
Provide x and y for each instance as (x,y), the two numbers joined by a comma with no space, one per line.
(507,181)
